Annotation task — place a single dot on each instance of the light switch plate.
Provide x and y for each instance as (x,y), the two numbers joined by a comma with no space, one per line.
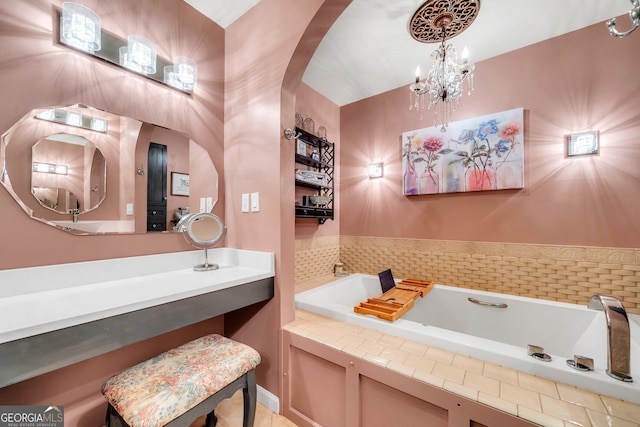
(203,204)
(129,208)
(255,202)
(245,202)
(209,204)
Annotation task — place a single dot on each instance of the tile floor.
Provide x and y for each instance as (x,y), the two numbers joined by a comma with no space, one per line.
(229,413)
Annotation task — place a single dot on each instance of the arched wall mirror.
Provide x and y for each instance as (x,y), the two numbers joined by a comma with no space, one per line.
(87,171)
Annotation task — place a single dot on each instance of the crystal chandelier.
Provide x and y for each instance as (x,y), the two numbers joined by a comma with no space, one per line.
(436,21)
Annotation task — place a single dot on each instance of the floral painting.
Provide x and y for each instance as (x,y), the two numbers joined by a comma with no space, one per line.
(479,154)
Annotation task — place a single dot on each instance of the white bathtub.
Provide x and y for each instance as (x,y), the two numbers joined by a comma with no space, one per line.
(445,318)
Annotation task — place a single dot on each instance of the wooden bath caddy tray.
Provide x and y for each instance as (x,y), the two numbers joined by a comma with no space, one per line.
(394,303)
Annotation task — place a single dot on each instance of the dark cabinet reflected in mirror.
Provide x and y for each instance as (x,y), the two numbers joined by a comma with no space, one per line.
(85,171)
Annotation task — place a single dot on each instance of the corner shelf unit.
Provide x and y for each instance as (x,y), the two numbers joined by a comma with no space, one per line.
(320,163)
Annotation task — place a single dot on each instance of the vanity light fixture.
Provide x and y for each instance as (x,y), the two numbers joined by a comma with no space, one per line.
(50,168)
(80,27)
(73,119)
(374,170)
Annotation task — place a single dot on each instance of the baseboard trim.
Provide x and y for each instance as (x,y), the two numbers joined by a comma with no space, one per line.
(268,399)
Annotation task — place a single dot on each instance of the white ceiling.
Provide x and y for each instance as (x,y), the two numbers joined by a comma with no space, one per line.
(368,50)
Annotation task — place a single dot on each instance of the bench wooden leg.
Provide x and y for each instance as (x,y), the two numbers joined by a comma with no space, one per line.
(249,393)
(211,420)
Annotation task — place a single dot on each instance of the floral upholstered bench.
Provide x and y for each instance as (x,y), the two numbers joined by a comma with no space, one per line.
(182,384)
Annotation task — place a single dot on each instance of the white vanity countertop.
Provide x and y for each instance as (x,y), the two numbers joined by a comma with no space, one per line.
(42,299)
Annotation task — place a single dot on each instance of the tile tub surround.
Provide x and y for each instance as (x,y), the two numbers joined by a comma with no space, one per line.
(527,396)
(87,309)
(315,257)
(569,274)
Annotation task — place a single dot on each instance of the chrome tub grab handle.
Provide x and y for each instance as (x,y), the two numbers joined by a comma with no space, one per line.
(488,304)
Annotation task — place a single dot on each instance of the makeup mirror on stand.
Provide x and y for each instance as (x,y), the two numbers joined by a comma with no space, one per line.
(203,230)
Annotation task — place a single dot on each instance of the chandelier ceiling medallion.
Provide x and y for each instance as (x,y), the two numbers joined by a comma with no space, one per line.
(436,21)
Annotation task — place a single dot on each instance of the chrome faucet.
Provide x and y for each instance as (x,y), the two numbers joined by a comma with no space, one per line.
(618,335)
(75,213)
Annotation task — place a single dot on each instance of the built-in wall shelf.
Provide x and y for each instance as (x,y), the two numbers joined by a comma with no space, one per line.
(314,167)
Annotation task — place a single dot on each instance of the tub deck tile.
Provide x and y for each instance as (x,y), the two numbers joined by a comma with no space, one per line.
(580,397)
(461,390)
(481,383)
(469,364)
(449,373)
(500,373)
(440,355)
(498,403)
(413,347)
(565,410)
(419,363)
(520,396)
(401,368)
(429,379)
(621,409)
(539,417)
(603,419)
(537,384)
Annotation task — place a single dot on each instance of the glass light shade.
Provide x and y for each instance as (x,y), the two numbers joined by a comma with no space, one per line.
(183,74)
(374,170)
(123,59)
(73,119)
(98,125)
(141,52)
(80,27)
(61,169)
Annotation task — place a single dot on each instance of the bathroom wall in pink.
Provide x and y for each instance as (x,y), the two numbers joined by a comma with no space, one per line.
(268,50)
(580,81)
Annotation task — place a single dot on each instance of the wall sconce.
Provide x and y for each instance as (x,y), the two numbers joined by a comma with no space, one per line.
(73,119)
(80,29)
(374,170)
(50,168)
(582,143)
